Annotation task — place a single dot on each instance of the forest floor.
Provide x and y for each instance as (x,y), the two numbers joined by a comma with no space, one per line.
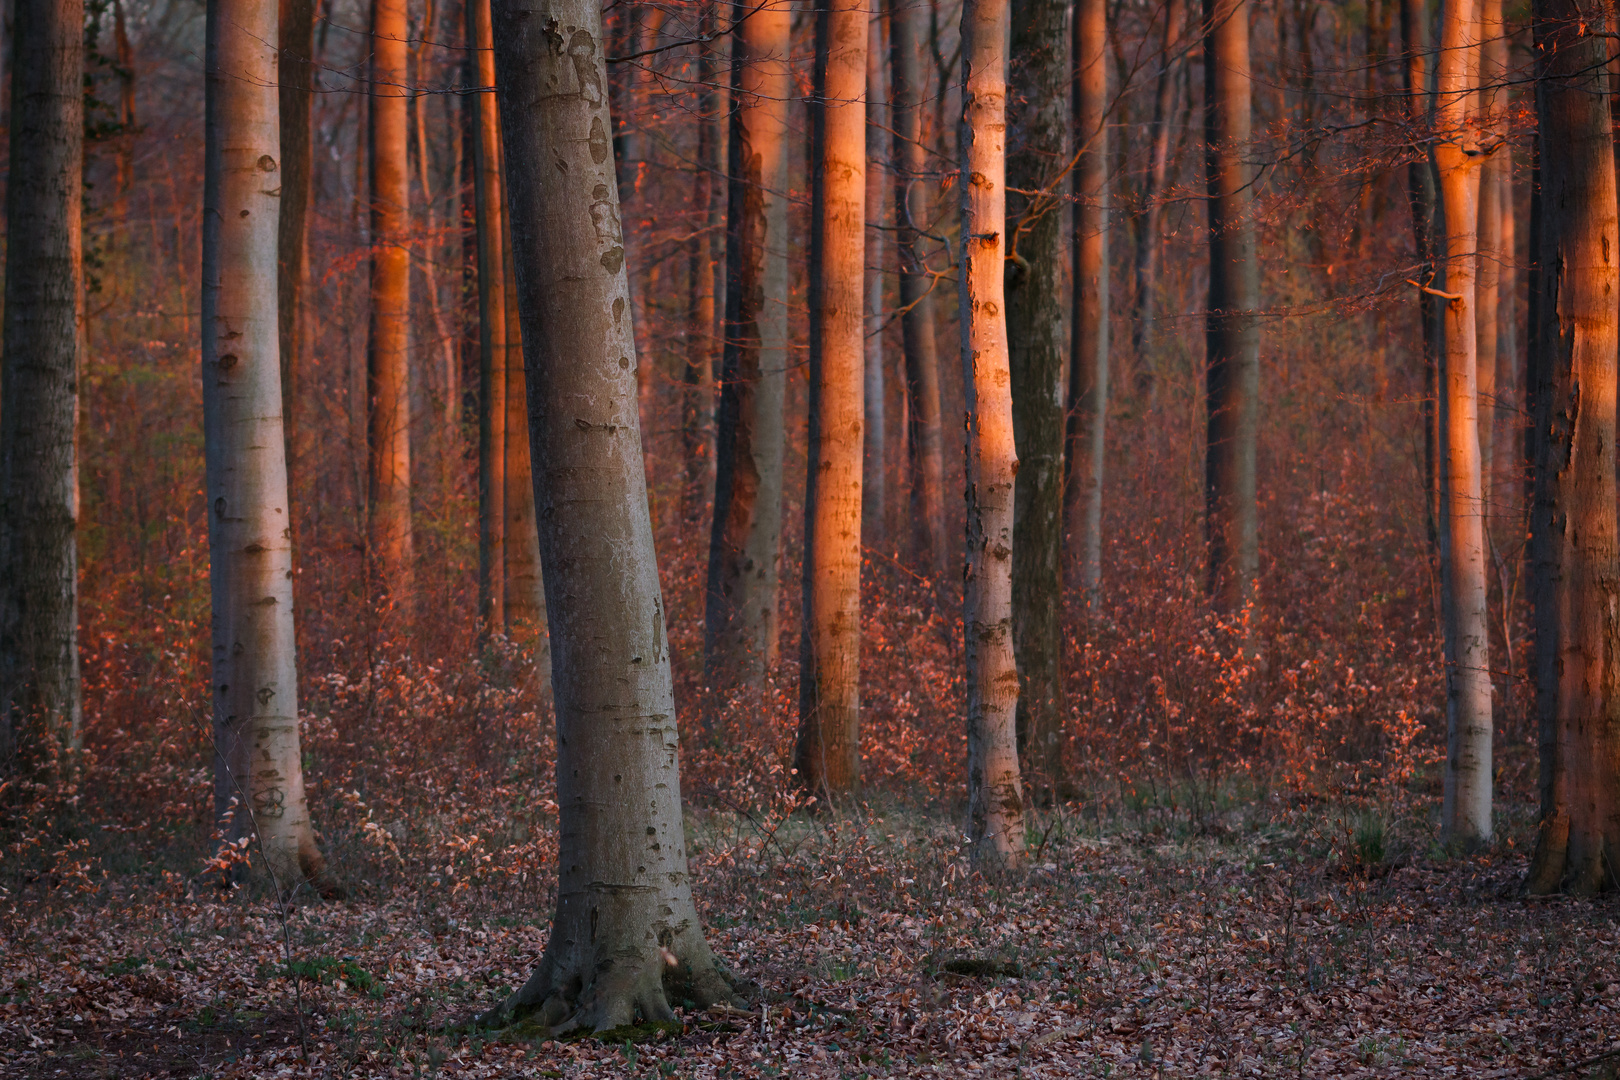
(1300,943)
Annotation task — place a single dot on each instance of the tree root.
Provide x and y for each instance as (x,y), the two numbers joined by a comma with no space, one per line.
(627,998)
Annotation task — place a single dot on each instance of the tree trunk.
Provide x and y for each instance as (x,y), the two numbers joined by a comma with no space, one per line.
(489,204)
(1466,816)
(697,434)
(525,596)
(1233,335)
(828,752)
(625,926)
(1491,259)
(1505,455)
(913,213)
(1088,372)
(740,620)
(1143,343)
(297,51)
(1038,158)
(388,355)
(1574,553)
(995,793)
(39,396)
(874,479)
(258,778)
(1420,197)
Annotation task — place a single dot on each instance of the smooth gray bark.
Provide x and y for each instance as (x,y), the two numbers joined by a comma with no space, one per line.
(625,926)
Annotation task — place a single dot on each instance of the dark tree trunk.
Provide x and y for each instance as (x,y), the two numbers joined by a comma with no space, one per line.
(39,397)
(913,211)
(740,625)
(1233,334)
(1575,557)
(297,48)
(1037,158)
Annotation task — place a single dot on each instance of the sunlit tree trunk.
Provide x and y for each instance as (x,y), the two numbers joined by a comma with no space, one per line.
(908,31)
(258,767)
(740,620)
(828,752)
(624,902)
(1088,370)
(995,793)
(387,361)
(1038,157)
(39,395)
(1574,553)
(297,49)
(1148,240)
(1466,817)
(1503,479)
(488,205)
(874,481)
(1232,338)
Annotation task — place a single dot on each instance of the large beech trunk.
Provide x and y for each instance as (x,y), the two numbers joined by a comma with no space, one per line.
(258,768)
(828,751)
(625,925)
(995,793)
(1088,373)
(740,620)
(1037,359)
(1466,814)
(1575,558)
(39,396)
(488,207)
(297,48)
(1232,337)
(388,354)
(908,34)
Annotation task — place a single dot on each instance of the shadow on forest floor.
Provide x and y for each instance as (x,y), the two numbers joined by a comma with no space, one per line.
(1300,945)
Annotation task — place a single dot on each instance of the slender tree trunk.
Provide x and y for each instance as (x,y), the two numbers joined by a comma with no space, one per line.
(913,213)
(1505,454)
(259,779)
(625,922)
(874,480)
(1233,334)
(1037,159)
(1088,371)
(1491,258)
(828,752)
(1420,196)
(525,597)
(1148,238)
(740,620)
(697,433)
(1574,552)
(39,395)
(995,792)
(388,353)
(297,49)
(1466,817)
(489,205)
(126,115)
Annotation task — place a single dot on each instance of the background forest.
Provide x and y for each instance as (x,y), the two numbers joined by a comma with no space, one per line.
(1238,848)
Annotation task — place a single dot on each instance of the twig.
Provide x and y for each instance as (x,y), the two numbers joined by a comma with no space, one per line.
(1453,297)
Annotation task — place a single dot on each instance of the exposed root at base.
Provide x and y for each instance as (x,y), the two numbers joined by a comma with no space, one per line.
(630,1001)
